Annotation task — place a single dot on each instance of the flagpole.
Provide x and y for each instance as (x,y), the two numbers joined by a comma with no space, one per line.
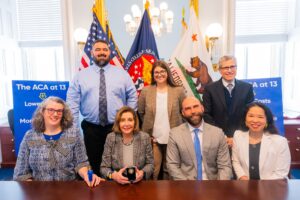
(195,5)
(183,23)
(99,10)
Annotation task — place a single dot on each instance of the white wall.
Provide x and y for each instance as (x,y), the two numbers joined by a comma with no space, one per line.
(210,11)
(297,8)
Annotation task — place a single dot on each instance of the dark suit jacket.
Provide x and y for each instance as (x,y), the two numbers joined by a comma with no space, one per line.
(215,108)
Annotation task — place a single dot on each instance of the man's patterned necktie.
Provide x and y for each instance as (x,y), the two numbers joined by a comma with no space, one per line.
(102,100)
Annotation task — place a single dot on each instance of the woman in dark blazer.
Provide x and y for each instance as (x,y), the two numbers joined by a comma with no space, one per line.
(127,147)
(159,108)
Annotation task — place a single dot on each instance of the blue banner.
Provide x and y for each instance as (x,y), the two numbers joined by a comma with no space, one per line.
(27,95)
(269,91)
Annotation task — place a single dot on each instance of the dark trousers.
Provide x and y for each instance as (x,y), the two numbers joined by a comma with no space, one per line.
(94,140)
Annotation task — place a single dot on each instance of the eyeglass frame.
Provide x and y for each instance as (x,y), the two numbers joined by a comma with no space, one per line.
(161,72)
(231,67)
(51,111)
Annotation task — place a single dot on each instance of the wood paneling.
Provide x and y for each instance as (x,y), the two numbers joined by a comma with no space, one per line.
(7,148)
(292,133)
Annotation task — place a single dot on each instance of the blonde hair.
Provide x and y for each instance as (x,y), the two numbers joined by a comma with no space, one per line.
(125,109)
(38,122)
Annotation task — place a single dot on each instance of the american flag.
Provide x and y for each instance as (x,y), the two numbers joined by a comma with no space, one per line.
(96,32)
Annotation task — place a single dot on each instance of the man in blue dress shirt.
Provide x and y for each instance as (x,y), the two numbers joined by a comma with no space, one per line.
(98,92)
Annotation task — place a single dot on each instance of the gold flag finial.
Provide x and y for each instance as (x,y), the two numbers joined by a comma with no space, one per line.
(147,5)
(99,10)
(184,25)
(195,5)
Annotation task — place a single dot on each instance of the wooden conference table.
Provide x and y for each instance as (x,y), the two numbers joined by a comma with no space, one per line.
(164,190)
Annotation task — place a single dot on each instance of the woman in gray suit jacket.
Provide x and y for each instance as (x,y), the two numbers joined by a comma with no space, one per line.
(159,108)
(259,152)
(126,148)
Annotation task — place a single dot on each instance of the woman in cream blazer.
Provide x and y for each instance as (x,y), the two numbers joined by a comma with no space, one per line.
(259,136)
(159,108)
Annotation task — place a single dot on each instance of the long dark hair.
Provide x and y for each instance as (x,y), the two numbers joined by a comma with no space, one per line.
(270,127)
(164,65)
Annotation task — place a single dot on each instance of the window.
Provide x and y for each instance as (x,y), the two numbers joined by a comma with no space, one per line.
(292,77)
(31,46)
(260,60)
(264,47)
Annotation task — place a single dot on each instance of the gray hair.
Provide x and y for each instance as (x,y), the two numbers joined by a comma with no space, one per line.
(226,58)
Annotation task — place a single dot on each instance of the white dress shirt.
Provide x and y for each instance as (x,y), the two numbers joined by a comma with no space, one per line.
(161,126)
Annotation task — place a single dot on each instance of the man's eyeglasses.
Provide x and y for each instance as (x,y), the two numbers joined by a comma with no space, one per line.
(162,72)
(232,67)
(51,111)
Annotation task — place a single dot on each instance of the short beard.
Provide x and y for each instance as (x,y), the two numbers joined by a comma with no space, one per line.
(193,122)
(101,62)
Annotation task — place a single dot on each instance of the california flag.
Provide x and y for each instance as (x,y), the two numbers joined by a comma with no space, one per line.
(190,63)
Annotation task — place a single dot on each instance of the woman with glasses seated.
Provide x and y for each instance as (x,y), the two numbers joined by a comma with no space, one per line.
(159,109)
(258,151)
(53,150)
